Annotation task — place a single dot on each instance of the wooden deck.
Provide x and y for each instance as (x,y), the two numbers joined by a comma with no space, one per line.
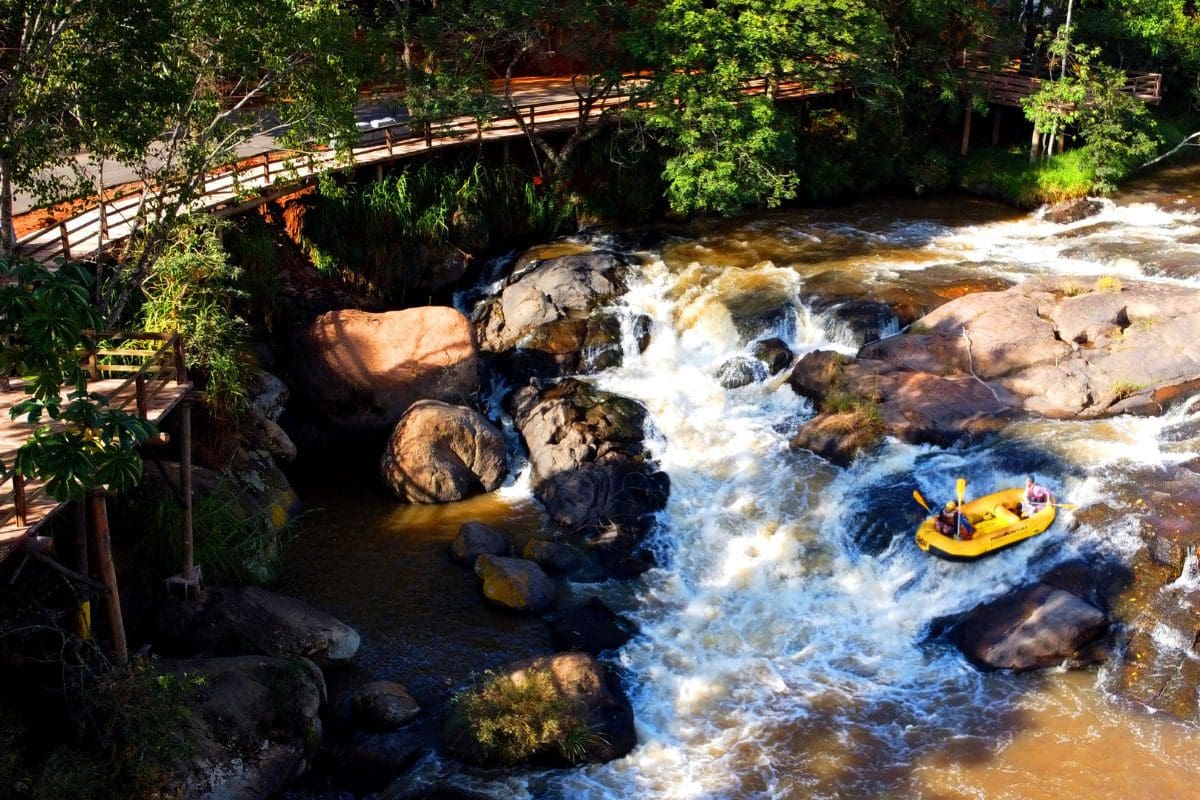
(1008,86)
(231,191)
(155,383)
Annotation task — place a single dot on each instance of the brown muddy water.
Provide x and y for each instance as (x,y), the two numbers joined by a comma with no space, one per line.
(783,651)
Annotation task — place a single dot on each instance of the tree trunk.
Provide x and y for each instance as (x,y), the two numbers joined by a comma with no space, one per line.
(8,236)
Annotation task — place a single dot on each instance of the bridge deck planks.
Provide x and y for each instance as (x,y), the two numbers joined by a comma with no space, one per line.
(14,433)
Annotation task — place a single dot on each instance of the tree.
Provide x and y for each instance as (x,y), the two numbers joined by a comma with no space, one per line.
(731,149)
(288,71)
(71,77)
(468,44)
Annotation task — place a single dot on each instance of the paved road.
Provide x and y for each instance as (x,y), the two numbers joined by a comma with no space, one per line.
(526,90)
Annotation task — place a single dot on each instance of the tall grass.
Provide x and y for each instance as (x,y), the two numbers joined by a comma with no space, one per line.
(1008,175)
(387,235)
(234,547)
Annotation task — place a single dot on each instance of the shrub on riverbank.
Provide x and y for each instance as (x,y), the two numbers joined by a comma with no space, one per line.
(387,236)
(1008,175)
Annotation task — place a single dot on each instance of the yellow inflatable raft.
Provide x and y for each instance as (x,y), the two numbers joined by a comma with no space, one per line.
(998,524)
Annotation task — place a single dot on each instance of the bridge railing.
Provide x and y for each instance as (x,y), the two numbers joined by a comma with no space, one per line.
(151,361)
(236,185)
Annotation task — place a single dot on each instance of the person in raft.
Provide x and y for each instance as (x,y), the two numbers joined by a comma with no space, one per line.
(1035,499)
(949,522)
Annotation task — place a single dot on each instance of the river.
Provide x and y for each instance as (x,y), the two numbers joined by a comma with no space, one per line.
(783,651)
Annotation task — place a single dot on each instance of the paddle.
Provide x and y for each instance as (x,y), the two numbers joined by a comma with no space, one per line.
(1067,506)
(917,496)
(960,488)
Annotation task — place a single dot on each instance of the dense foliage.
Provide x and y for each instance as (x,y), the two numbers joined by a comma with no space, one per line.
(80,443)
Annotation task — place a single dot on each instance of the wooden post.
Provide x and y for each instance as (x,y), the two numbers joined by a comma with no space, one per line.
(185,486)
(428,133)
(966,137)
(93,364)
(1034,145)
(996,126)
(387,137)
(379,172)
(267,170)
(139,392)
(1062,143)
(20,503)
(532,109)
(63,240)
(103,219)
(108,574)
(181,374)
(83,614)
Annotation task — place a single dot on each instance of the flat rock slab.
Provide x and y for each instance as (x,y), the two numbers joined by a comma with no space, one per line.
(1035,627)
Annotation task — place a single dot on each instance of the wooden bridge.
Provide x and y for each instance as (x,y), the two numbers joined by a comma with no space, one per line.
(1008,85)
(233,189)
(142,373)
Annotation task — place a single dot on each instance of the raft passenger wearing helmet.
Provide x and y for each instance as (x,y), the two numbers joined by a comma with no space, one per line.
(950,522)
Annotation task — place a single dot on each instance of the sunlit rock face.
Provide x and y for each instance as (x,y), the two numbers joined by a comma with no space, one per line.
(1051,346)
(362,371)
(544,320)
(440,453)
(590,466)
(1065,346)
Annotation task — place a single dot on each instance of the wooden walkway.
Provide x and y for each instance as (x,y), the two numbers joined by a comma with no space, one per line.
(1007,86)
(231,191)
(148,380)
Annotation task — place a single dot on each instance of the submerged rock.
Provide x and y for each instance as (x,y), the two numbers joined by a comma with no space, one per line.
(583,714)
(440,453)
(1035,627)
(515,583)
(384,705)
(740,371)
(476,539)
(253,620)
(1069,211)
(362,371)
(553,557)
(591,627)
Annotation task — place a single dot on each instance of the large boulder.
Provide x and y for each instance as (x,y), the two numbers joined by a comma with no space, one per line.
(1035,627)
(590,466)
(515,583)
(362,371)
(563,288)
(1052,346)
(563,708)
(253,620)
(252,722)
(440,453)
(1064,347)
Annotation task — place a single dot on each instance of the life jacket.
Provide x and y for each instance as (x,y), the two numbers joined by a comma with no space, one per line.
(1037,494)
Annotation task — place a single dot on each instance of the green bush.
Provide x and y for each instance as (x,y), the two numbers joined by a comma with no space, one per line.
(384,236)
(235,548)
(191,289)
(131,744)
(505,722)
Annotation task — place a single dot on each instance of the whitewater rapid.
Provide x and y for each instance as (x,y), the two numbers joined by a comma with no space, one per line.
(783,650)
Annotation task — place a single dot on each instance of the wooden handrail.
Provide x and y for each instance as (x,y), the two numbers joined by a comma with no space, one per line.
(255,176)
(149,378)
